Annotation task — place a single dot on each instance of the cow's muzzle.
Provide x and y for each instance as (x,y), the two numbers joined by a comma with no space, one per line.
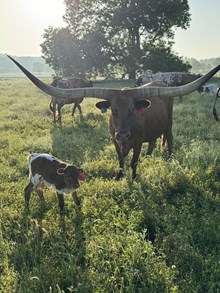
(122,135)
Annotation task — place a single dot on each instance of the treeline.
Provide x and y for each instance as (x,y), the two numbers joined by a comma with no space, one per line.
(38,64)
(203,65)
(34,64)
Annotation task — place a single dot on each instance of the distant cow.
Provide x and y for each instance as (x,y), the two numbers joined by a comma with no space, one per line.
(210,88)
(45,169)
(168,78)
(67,82)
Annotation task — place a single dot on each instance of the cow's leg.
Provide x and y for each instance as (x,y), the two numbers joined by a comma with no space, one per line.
(79,108)
(55,106)
(151,146)
(169,138)
(74,109)
(27,194)
(120,160)
(52,106)
(134,160)
(54,115)
(163,140)
(60,201)
(59,113)
(75,198)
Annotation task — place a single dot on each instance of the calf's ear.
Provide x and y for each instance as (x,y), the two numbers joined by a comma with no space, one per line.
(142,105)
(60,171)
(103,106)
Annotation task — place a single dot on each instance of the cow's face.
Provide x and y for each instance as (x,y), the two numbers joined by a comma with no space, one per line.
(123,114)
(71,175)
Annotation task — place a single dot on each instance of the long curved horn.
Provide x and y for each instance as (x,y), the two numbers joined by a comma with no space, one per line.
(106,93)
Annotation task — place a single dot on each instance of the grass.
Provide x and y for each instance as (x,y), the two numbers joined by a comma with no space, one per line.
(159,234)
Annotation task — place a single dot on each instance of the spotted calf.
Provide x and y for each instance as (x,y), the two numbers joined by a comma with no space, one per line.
(46,170)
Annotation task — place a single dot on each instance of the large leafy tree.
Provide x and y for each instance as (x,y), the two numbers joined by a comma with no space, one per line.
(61,51)
(125,34)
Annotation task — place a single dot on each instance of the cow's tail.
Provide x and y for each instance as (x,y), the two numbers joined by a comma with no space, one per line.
(214,111)
(52,105)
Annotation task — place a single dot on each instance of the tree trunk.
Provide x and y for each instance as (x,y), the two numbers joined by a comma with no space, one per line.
(132,73)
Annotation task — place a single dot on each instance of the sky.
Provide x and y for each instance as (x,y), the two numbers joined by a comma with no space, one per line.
(22,24)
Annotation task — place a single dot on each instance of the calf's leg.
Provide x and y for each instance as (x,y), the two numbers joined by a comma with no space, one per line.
(75,198)
(27,194)
(60,201)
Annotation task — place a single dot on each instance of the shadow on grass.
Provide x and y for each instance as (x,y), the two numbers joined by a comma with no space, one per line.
(83,139)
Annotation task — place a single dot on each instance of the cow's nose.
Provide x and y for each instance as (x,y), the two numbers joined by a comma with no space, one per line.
(123,135)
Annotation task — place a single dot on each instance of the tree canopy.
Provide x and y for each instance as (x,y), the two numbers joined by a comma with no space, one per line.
(129,36)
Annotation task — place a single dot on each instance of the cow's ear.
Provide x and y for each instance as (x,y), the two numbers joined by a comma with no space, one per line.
(103,106)
(142,105)
(81,175)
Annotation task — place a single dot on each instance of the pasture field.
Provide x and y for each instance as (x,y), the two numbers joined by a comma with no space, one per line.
(158,234)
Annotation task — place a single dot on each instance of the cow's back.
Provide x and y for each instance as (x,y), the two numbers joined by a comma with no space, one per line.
(44,165)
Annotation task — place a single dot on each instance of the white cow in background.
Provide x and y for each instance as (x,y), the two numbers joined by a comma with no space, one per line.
(210,88)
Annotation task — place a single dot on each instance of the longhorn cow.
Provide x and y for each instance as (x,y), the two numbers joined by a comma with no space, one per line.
(168,78)
(138,115)
(67,82)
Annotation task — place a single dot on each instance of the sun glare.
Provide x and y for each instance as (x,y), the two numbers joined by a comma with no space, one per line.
(47,12)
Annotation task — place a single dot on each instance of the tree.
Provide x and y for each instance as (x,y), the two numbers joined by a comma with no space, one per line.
(124,32)
(163,59)
(61,51)
(38,67)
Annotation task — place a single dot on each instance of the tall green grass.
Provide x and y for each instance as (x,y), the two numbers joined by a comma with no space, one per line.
(159,234)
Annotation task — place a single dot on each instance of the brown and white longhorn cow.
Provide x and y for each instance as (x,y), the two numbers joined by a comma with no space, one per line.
(168,78)
(138,115)
(67,82)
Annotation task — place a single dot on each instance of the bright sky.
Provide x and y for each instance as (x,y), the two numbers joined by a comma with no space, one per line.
(23,22)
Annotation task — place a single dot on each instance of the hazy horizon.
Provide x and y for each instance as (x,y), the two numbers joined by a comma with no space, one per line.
(24,22)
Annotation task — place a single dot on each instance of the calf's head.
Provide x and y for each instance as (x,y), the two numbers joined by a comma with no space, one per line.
(71,175)
(124,111)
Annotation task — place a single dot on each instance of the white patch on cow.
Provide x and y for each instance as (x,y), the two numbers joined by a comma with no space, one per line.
(35,156)
(35,180)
